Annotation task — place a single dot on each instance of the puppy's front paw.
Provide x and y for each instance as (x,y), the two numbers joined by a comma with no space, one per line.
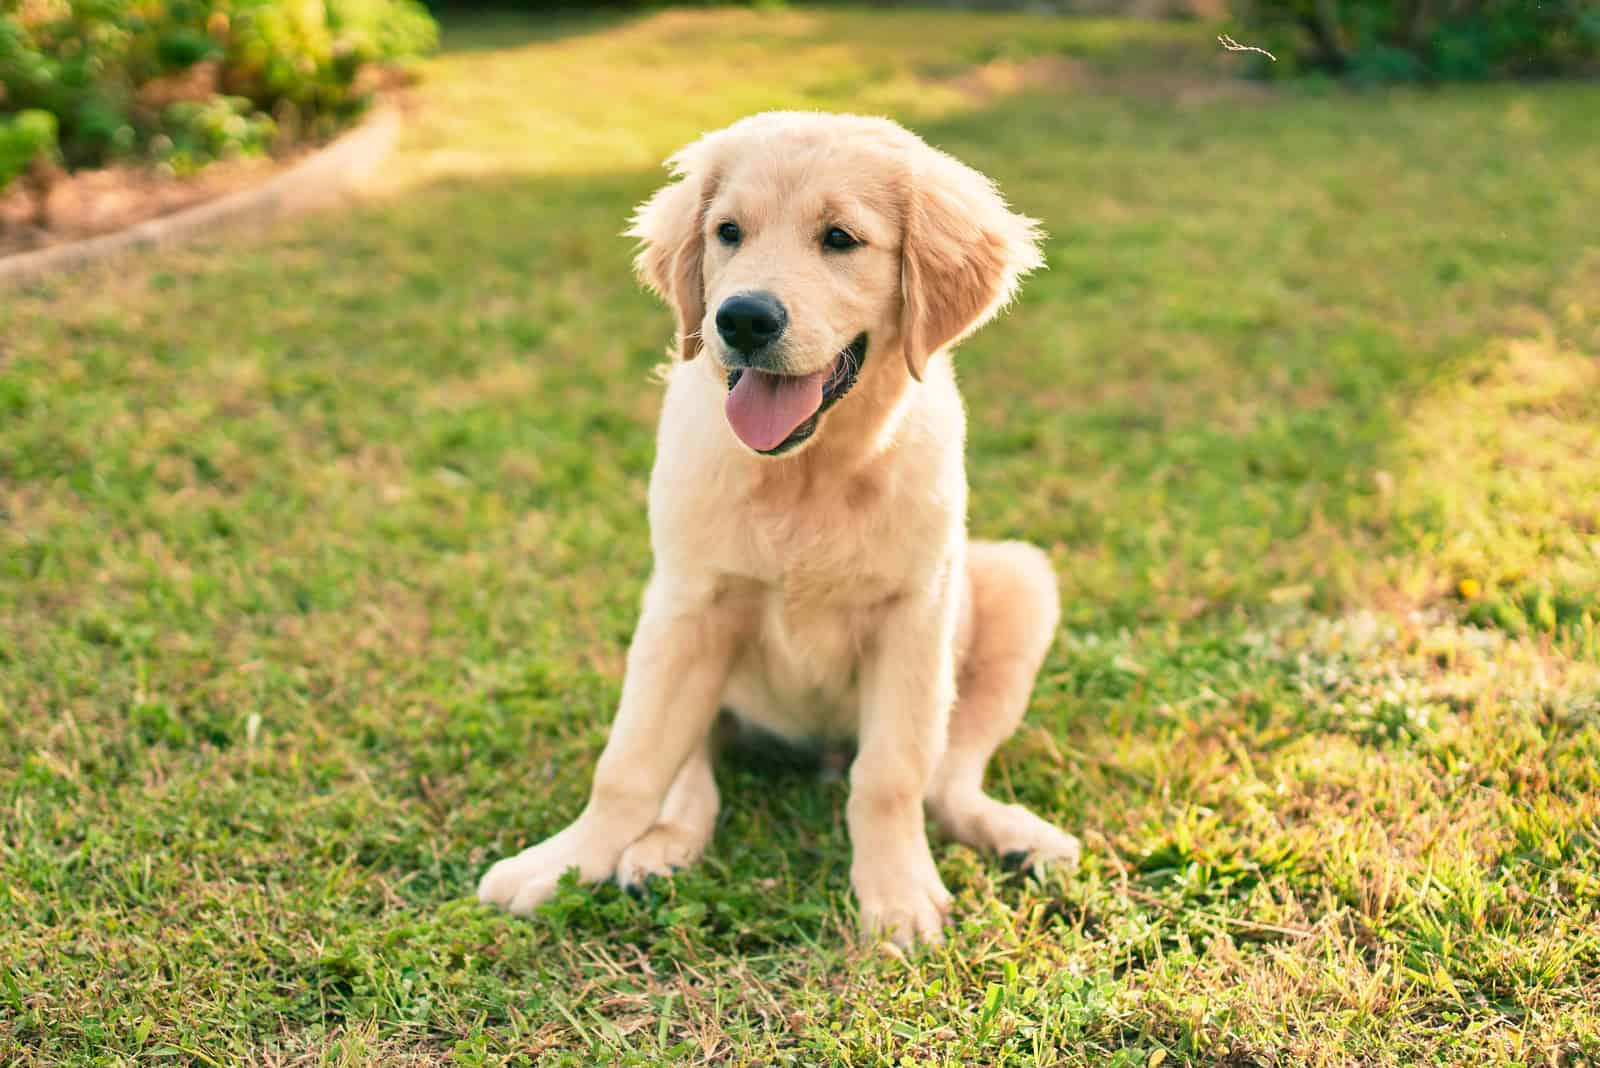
(521,883)
(664,849)
(524,882)
(905,904)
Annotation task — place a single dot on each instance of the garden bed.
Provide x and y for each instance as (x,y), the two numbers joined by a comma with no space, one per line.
(115,116)
(289,184)
(91,203)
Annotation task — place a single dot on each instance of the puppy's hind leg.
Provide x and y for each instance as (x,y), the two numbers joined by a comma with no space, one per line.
(1015,609)
(681,833)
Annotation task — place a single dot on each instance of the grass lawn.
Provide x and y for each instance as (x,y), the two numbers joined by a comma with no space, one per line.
(320,548)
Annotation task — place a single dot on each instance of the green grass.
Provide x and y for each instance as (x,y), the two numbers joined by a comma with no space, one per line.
(321,547)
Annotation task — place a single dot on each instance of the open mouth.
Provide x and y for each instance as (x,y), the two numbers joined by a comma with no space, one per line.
(773,413)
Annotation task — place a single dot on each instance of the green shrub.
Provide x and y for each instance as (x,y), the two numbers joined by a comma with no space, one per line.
(190,80)
(218,128)
(24,137)
(382,31)
(1423,40)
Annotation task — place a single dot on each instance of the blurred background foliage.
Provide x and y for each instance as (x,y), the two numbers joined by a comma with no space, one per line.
(1423,40)
(1362,40)
(188,81)
(184,82)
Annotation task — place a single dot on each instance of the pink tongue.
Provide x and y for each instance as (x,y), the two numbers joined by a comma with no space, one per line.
(764,409)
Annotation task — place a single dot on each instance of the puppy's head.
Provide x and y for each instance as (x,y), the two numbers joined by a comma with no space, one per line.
(803,250)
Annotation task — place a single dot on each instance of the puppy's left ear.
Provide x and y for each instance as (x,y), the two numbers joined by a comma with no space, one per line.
(672,226)
(963,256)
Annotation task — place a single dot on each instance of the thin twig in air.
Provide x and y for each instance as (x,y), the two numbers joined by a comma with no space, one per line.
(1234,46)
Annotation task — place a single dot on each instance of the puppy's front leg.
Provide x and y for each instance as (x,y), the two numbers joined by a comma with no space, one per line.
(677,667)
(909,686)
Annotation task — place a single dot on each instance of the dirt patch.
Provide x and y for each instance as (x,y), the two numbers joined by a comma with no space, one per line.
(1187,90)
(1002,77)
(985,82)
(89,203)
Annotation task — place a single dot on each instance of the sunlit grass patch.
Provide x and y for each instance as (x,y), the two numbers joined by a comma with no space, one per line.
(1507,465)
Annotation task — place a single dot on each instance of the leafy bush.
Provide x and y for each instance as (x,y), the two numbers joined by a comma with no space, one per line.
(380,31)
(192,80)
(202,130)
(586,5)
(1417,40)
(24,138)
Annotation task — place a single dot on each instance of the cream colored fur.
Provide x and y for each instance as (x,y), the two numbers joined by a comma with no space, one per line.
(830,592)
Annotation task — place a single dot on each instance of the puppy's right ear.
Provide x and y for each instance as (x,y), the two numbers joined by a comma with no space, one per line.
(672,226)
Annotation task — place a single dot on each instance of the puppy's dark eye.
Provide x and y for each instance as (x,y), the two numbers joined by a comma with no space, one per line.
(728,233)
(838,240)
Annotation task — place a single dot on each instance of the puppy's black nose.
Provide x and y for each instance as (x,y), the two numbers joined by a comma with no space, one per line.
(750,322)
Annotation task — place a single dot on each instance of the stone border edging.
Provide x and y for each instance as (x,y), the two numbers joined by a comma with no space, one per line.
(325,174)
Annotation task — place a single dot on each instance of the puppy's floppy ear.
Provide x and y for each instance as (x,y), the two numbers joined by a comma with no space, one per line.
(963,256)
(672,226)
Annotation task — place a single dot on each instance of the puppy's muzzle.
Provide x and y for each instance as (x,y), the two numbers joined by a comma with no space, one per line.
(750,325)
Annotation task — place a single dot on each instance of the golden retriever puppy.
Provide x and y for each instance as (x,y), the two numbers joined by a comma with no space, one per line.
(808,514)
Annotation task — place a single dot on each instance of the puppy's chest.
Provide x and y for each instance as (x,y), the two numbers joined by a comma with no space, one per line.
(806,650)
(817,545)
(820,586)
(836,614)
(823,595)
